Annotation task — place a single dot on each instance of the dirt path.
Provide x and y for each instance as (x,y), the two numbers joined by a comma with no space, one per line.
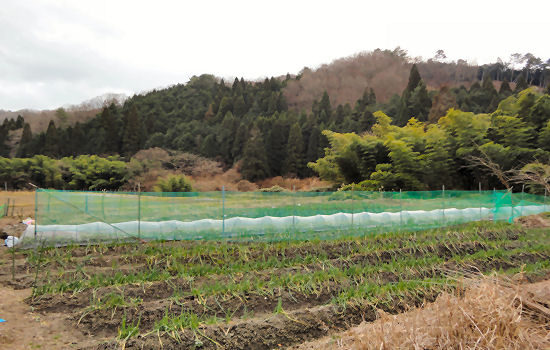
(25,329)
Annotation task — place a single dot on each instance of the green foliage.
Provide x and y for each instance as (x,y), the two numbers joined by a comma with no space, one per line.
(80,173)
(95,173)
(25,144)
(174,183)
(128,330)
(294,163)
(415,101)
(539,114)
(133,137)
(254,164)
(537,176)
(505,89)
(209,117)
(544,137)
(51,143)
(418,157)
(521,84)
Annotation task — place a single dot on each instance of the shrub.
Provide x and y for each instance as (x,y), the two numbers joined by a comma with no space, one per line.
(173,183)
(246,186)
(275,188)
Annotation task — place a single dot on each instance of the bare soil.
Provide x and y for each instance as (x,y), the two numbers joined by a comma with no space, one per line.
(534,221)
(64,319)
(27,329)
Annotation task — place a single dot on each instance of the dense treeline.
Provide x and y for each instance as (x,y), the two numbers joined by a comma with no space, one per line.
(79,173)
(420,156)
(250,124)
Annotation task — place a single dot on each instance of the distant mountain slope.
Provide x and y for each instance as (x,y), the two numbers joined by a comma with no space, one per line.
(385,71)
(39,119)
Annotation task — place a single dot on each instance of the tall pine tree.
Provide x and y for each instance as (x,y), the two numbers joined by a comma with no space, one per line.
(51,141)
(25,144)
(294,163)
(132,131)
(254,162)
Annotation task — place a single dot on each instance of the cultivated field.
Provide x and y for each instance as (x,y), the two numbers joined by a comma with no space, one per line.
(209,295)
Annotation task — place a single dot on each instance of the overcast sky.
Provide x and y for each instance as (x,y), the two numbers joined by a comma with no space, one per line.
(54,53)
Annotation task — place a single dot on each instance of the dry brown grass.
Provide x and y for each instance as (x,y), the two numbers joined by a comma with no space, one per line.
(307,184)
(24,203)
(489,314)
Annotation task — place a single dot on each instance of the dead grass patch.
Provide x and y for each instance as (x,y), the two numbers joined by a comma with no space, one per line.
(488,314)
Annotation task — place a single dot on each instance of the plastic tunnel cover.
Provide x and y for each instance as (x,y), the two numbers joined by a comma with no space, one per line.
(66,217)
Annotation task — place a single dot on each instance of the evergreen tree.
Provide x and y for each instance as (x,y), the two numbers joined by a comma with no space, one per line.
(414,80)
(487,85)
(226,135)
(226,105)
(210,147)
(414,99)
(77,141)
(419,103)
(254,162)
(539,114)
(505,89)
(239,141)
(276,147)
(324,106)
(521,84)
(442,102)
(4,149)
(372,97)
(239,106)
(366,121)
(339,115)
(132,131)
(294,163)
(19,123)
(51,141)
(107,120)
(544,137)
(313,152)
(25,144)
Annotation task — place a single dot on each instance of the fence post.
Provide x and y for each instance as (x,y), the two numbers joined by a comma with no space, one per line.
(12,207)
(400,210)
(103,205)
(223,210)
(443,203)
(494,204)
(86,203)
(35,211)
(7,209)
(545,191)
(139,210)
(352,207)
(480,198)
(294,209)
(522,199)
(511,206)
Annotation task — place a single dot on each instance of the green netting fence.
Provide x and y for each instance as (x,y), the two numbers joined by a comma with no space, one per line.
(67,217)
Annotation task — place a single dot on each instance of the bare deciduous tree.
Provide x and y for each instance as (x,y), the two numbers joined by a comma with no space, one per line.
(534,174)
(488,165)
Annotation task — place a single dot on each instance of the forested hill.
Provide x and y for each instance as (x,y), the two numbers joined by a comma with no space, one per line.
(251,122)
